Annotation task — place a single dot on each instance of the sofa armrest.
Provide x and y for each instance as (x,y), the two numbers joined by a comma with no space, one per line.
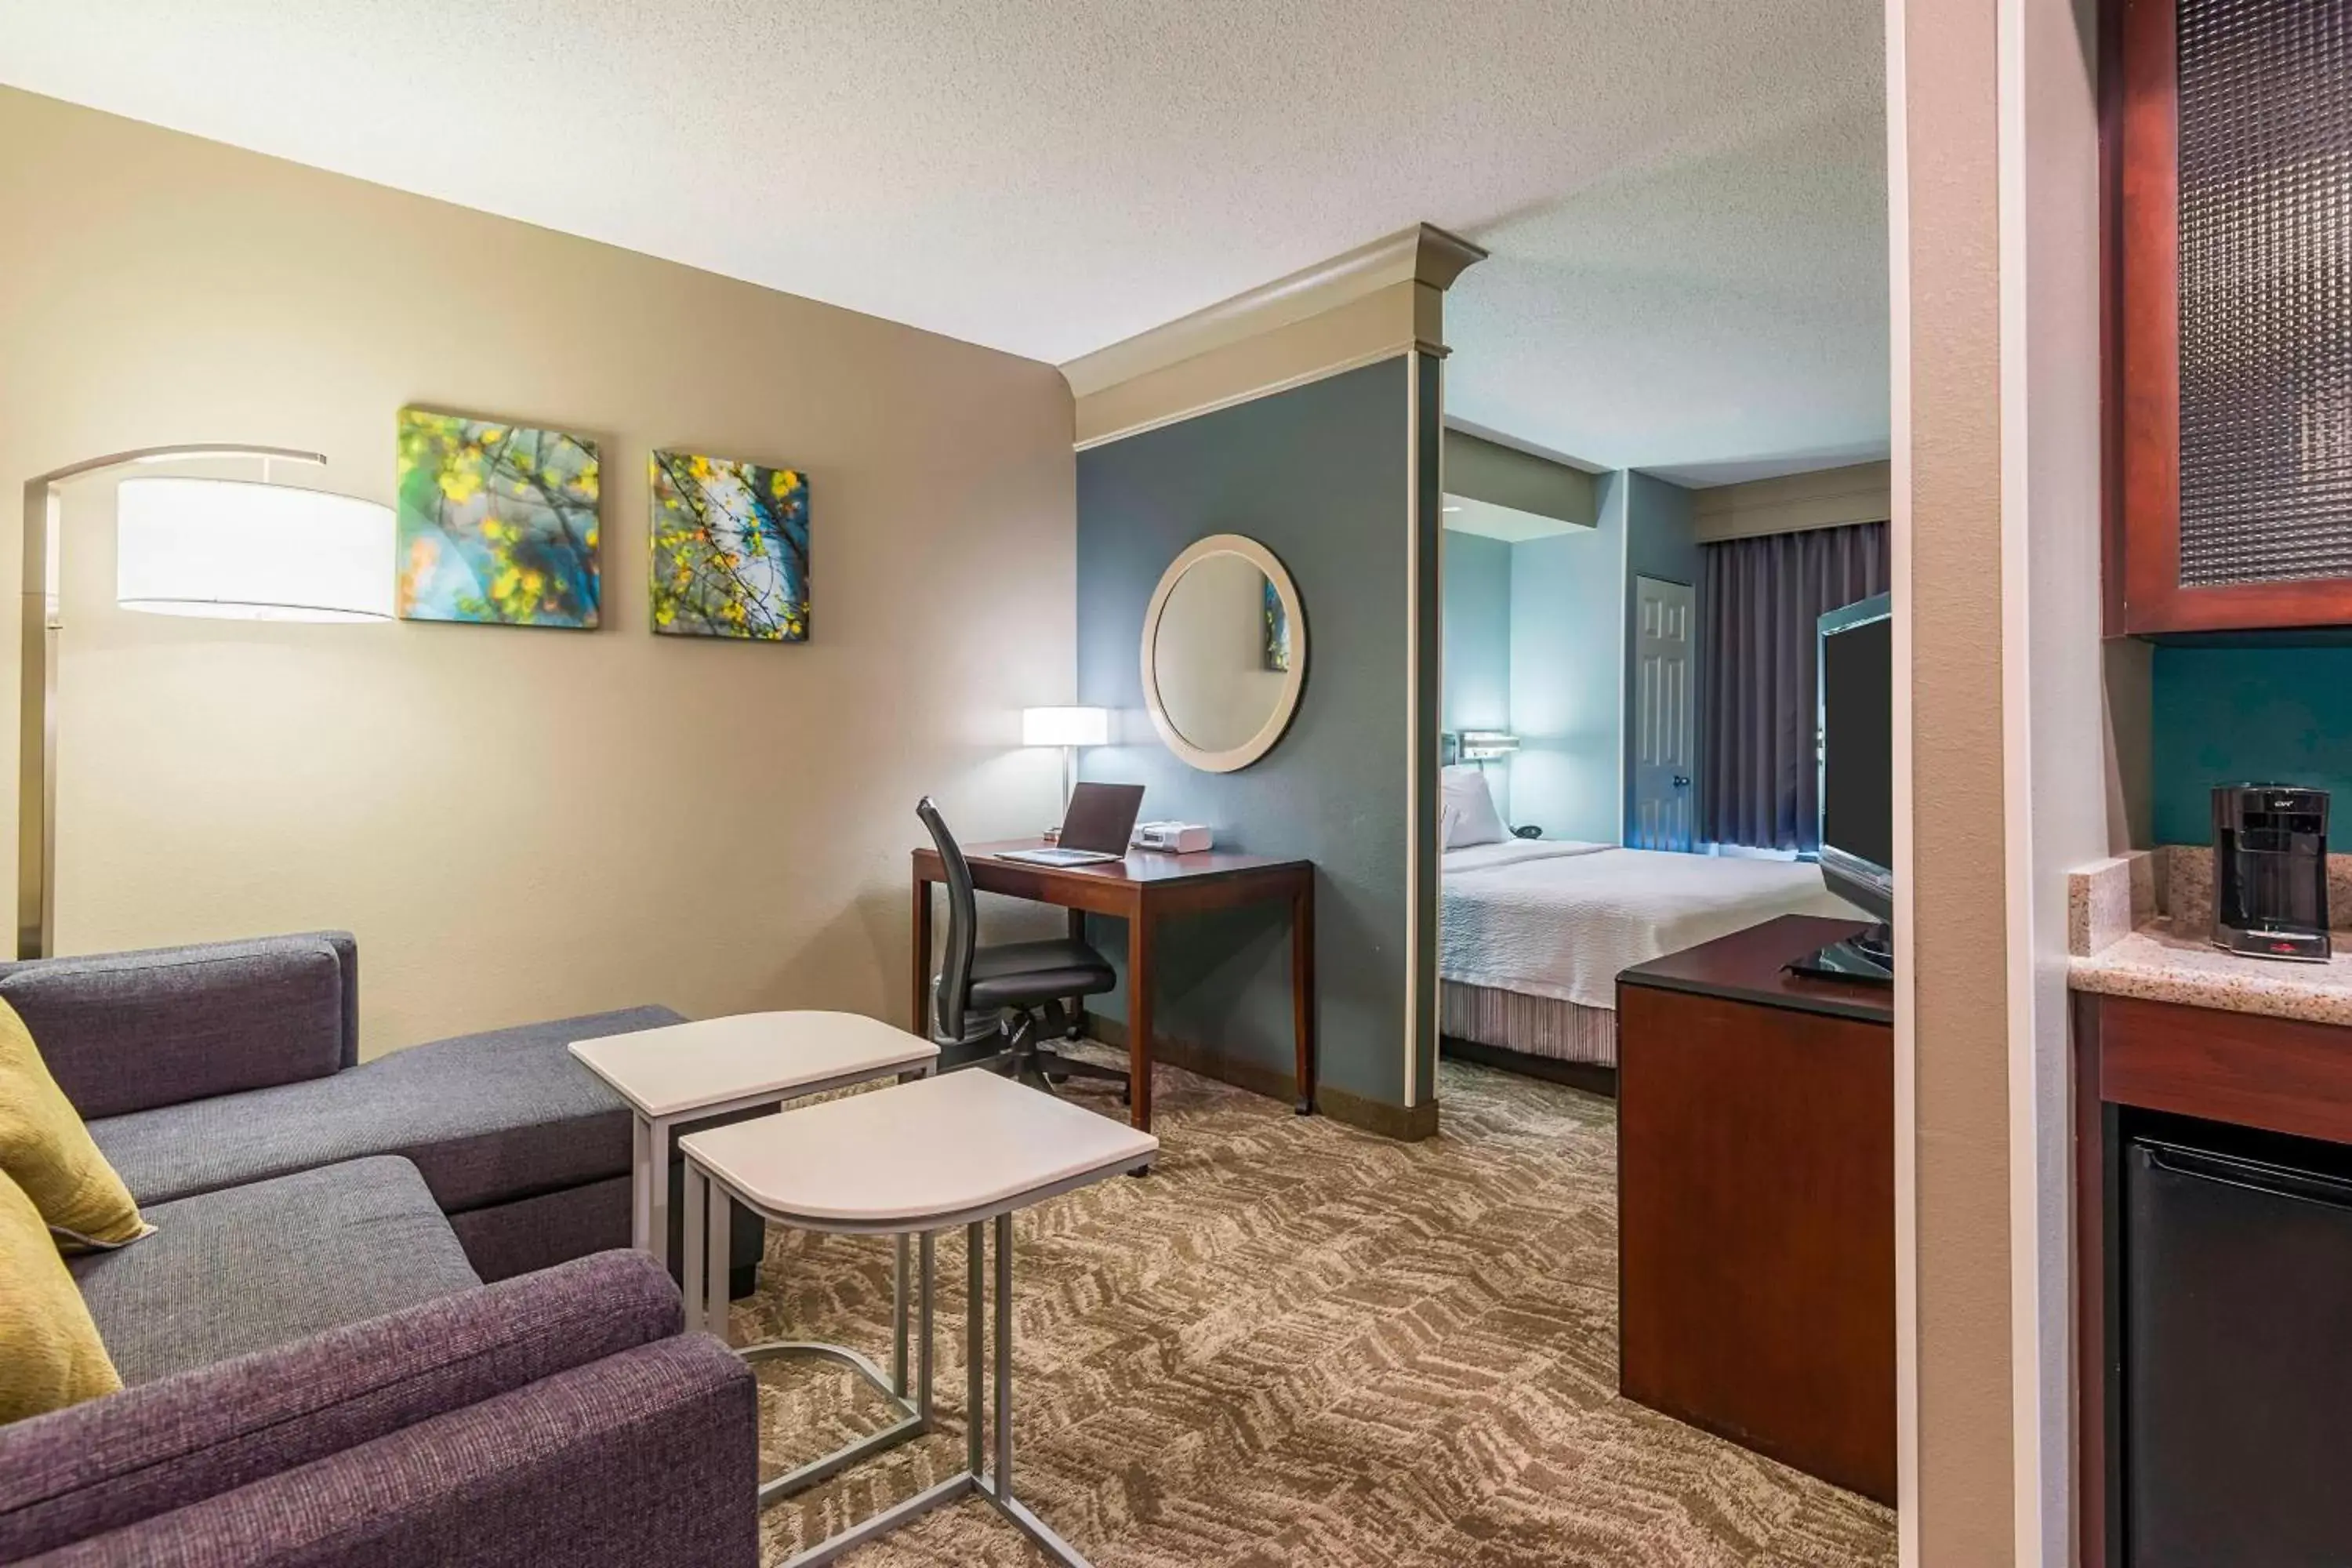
(645,1460)
(130,1031)
(159,1447)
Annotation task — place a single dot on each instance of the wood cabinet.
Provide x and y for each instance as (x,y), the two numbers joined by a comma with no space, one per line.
(1756,1201)
(2134,1060)
(2229,316)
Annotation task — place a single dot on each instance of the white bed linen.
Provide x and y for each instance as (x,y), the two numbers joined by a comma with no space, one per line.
(1561,920)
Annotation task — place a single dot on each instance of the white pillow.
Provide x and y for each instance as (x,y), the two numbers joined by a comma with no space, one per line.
(1466,811)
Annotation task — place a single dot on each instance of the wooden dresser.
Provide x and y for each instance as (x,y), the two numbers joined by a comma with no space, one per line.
(1756,1201)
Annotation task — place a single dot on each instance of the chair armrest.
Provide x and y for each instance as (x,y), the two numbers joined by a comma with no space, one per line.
(645,1460)
(160,1447)
(130,1031)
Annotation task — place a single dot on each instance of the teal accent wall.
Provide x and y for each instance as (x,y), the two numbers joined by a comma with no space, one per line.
(2235,715)
(1567,659)
(1478,643)
(1317,474)
(1477,632)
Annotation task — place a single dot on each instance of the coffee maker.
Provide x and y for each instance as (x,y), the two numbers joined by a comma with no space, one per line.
(2270,871)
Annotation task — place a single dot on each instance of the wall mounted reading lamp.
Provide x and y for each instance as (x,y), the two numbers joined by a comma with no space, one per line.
(231,549)
(1487,745)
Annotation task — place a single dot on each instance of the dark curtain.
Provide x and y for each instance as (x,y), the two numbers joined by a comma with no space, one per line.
(1759,602)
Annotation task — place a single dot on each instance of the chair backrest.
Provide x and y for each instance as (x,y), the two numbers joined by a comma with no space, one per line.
(964,928)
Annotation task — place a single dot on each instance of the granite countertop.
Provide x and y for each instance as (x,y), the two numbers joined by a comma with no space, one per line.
(2156,963)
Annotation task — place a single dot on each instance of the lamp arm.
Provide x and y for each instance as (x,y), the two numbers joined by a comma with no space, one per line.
(189,450)
(37,691)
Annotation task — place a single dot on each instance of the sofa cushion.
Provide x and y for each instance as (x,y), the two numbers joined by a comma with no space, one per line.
(126,1031)
(231,1272)
(487,1118)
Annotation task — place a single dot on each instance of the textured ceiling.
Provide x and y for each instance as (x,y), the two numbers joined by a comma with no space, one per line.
(1684,198)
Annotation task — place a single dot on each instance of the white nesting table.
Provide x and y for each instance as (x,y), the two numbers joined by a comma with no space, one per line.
(718,1067)
(962,1148)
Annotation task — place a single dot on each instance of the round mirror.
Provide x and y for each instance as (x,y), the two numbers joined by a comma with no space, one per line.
(1224,653)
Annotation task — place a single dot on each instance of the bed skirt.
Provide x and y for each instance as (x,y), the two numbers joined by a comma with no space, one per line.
(1537,1025)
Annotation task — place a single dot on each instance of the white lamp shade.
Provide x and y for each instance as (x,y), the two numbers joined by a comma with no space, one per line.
(241,551)
(1065,726)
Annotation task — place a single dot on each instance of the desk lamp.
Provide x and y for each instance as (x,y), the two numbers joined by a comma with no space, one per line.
(1068,728)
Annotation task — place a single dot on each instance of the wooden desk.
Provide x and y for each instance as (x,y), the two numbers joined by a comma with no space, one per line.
(1139,890)
(1756,1201)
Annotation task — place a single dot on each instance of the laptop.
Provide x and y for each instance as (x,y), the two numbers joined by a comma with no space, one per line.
(1100,821)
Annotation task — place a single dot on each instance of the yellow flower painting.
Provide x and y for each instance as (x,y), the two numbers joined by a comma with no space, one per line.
(729,549)
(497,523)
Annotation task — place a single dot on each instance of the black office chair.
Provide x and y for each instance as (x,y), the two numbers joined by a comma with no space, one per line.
(992,1005)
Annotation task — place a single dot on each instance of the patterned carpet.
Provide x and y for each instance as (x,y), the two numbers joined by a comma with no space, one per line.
(1299,1344)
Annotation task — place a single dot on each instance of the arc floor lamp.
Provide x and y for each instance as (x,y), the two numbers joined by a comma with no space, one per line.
(235,549)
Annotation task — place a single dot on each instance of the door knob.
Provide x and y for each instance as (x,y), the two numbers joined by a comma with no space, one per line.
(1682,781)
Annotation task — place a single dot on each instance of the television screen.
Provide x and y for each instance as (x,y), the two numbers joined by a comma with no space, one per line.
(1858,742)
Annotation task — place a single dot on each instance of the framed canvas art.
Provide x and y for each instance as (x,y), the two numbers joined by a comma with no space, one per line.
(497,523)
(729,549)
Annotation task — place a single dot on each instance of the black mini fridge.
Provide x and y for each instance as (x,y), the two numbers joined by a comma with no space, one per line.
(2237,1356)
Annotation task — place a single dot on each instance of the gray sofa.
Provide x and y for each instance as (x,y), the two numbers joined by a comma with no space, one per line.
(316,1370)
(204,1068)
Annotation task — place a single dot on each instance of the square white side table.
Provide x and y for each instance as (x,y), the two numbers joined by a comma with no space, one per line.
(716,1067)
(961,1149)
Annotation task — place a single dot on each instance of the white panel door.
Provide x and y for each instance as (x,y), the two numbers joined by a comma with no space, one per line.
(1665,738)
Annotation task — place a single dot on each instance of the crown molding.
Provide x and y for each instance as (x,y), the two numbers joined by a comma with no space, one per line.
(1422,254)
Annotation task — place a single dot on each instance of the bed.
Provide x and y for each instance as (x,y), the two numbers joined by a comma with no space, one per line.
(1534,932)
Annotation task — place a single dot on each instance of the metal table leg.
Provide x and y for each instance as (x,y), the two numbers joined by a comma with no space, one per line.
(693,1280)
(974,1479)
(718,1239)
(899,1316)
(998,1489)
(975,1354)
(707,1203)
(641,1184)
(656,1171)
(923,1339)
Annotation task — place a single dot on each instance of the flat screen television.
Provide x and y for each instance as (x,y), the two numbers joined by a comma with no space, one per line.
(1856,749)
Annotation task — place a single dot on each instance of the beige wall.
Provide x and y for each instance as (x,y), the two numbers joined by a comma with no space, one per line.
(1953,1140)
(1824,498)
(2065,769)
(515,822)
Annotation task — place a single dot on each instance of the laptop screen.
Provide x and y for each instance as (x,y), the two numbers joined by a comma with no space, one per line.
(1102,817)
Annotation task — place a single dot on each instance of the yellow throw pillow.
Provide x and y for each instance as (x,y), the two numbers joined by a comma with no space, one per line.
(47,1151)
(50,1354)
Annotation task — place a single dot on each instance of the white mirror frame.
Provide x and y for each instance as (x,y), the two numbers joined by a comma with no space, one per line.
(1284,706)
